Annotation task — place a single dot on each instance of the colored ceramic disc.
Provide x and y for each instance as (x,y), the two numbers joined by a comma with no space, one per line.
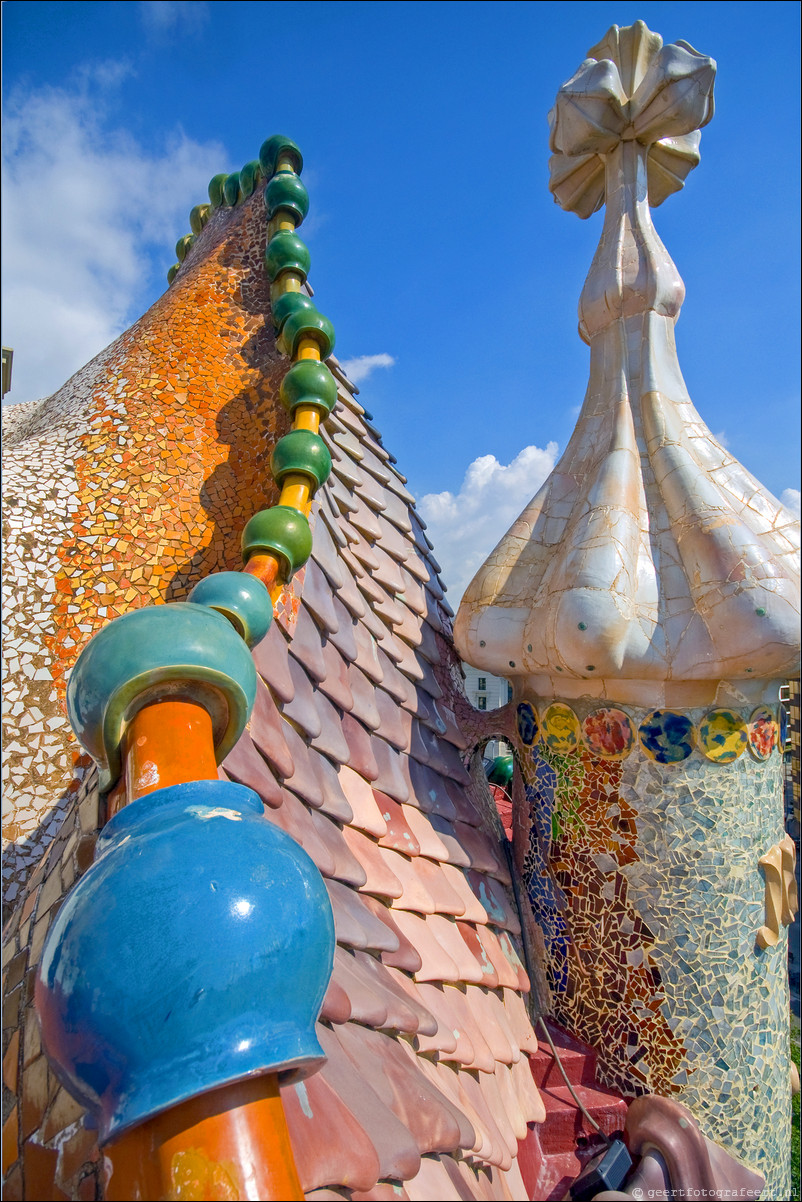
(560,729)
(761,733)
(783,715)
(608,733)
(722,736)
(667,737)
(528,725)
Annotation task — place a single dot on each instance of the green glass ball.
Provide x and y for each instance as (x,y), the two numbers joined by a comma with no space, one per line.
(249,177)
(241,598)
(304,453)
(309,383)
(289,303)
(280,531)
(216,186)
(231,188)
(286,252)
(276,148)
(286,192)
(308,324)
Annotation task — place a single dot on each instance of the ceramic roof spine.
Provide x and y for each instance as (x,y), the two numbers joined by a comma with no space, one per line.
(277,542)
(646,605)
(162,694)
(359,647)
(78,986)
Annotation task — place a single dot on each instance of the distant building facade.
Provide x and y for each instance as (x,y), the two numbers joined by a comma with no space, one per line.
(488,692)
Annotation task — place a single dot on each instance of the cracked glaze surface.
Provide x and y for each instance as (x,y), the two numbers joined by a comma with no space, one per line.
(650,559)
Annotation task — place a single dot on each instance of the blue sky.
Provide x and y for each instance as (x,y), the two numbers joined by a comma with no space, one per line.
(436,246)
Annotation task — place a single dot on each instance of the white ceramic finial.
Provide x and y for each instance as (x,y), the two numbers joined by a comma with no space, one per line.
(650,558)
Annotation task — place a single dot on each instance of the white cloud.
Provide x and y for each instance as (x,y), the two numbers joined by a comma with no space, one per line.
(466,527)
(88,214)
(360,368)
(791,500)
(163,17)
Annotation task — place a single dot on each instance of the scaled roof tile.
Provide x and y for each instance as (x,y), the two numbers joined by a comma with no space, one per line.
(354,924)
(329,1142)
(324,554)
(367,815)
(330,740)
(360,748)
(271,659)
(405,956)
(319,598)
(389,778)
(306,646)
(425,832)
(424,1111)
(343,637)
(414,895)
(335,683)
(245,765)
(346,866)
(380,880)
(392,981)
(431,875)
(353,745)
(397,1149)
(399,836)
(334,802)
(451,1040)
(455,852)
(303,781)
(364,997)
(267,727)
(470,934)
(294,818)
(395,683)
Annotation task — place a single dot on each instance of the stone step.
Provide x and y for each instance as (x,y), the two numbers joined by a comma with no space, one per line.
(578,1060)
(565,1123)
(549,1177)
(556,1150)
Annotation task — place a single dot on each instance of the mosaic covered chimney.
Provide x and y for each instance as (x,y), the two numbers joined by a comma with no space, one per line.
(645,605)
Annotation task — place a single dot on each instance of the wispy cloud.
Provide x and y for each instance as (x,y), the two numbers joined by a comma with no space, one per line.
(791,500)
(89,221)
(162,18)
(465,526)
(359,368)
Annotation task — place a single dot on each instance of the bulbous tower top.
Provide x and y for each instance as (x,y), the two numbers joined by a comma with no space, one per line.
(651,565)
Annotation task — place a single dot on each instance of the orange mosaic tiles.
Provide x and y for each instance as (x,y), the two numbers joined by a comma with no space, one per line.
(353,745)
(170,471)
(131,483)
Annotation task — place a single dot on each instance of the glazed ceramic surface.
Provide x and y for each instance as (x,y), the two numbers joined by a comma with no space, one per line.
(234,924)
(643,873)
(650,559)
(646,605)
(353,744)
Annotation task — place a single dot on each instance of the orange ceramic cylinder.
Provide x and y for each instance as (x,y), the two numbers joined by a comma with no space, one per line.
(266,567)
(168,743)
(222,1146)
